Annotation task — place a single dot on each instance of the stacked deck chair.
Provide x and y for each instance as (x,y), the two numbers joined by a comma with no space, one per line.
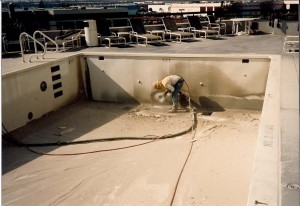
(105,35)
(196,27)
(213,24)
(172,29)
(141,35)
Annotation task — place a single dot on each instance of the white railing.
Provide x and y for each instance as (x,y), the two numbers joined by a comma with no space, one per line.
(46,37)
(291,44)
(26,35)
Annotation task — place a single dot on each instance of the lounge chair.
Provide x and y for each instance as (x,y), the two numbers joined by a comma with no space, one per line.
(6,42)
(172,29)
(67,39)
(213,24)
(105,34)
(196,27)
(291,44)
(140,33)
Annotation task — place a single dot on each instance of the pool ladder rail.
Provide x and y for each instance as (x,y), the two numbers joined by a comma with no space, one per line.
(25,37)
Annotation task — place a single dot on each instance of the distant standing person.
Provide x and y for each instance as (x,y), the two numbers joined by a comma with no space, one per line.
(173,84)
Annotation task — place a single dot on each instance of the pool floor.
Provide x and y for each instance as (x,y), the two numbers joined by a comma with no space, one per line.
(210,165)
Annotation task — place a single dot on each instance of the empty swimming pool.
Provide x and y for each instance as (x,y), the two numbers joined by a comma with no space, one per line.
(147,156)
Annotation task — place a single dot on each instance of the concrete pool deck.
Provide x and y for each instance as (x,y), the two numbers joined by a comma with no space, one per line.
(276,165)
(233,45)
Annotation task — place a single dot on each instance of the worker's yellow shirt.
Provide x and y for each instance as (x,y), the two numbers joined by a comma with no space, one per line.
(169,82)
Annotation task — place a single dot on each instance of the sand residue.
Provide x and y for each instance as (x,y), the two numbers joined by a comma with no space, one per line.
(218,171)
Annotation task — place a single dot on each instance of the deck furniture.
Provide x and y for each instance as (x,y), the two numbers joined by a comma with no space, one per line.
(105,35)
(196,27)
(66,39)
(172,29)
(291,44)
(214,24)
(141,35)
(236,22)
(7,42)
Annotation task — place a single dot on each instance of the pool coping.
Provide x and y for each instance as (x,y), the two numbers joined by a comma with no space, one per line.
(276,163)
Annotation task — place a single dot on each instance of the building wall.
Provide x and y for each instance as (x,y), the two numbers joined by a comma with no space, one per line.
(174,8)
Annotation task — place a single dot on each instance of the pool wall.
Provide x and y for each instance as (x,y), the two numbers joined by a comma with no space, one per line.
(29,94)
(215,83)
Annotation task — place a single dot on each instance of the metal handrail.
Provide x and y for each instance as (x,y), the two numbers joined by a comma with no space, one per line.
(34,40)
(45,36)
(291,41)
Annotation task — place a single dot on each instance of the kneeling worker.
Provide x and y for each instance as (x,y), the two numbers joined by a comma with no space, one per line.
(173,84)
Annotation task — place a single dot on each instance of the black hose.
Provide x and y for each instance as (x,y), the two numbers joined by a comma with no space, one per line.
(8,137)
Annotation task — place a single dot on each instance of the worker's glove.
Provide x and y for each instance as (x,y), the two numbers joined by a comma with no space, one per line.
(165,93)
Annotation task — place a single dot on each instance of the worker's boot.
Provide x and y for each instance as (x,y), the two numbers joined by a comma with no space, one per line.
(173,109)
